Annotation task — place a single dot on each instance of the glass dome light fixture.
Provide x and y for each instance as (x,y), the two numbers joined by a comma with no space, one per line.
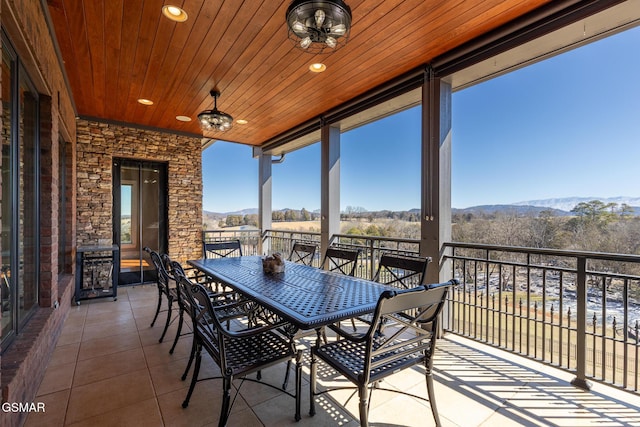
(319,26)
(215,119)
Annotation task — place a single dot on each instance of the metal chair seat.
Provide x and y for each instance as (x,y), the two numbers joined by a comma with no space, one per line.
(348,358)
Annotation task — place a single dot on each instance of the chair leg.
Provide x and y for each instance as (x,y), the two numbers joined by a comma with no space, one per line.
(298,384)
(363,394)
(286,376)
(191,356)
(226,400)
(312,387)
(166,325)
(194,378)
(432,399)
(158,308)
(179,331)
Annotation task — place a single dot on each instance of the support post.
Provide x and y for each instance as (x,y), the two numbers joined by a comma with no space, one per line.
(264,198)
(329,185)
(435,173)
(580,380)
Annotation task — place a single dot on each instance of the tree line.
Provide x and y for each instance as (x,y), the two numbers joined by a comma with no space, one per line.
(594,226)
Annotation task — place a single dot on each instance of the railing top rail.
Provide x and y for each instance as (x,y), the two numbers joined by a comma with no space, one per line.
(377,238)
(552,252)
(310,233)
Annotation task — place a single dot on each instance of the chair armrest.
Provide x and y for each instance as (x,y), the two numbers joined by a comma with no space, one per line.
(350,336)
(251,331)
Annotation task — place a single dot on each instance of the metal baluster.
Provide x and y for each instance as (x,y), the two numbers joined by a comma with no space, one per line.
(613,364)
(569,338)
(551,337)
(535,329)
(594,322)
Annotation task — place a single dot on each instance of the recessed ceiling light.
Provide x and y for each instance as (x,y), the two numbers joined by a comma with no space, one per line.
(183,118)
(145,101)
(174,13)
(241,122)
(318,67)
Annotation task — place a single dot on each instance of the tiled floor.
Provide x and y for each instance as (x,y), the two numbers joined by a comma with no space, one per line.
(108,369)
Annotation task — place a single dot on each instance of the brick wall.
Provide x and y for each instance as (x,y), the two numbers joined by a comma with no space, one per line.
(98,144)
(90,151)
(24,362)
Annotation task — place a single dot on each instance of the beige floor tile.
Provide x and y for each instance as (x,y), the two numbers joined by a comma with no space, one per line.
(75,319)
(149,335)
(79,311)
(63,354)
(70,335)
(167,377)
(158,354)
(109,365)
(146,312)
(246,418)
(255,393)
(107,396)
(57,378)
(107,305)
(140,414)
(55,405)
(109,327)
(203,409)
(108,345)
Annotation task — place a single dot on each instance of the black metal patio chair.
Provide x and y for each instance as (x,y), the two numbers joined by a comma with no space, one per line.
(238,352)
(219,249)
(165,290)
(341,260)
(302,253)
(402,334)
(399,271)
(222,249)
(402,271)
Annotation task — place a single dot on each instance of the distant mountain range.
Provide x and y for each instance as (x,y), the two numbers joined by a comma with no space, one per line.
(568,203)
(559,206)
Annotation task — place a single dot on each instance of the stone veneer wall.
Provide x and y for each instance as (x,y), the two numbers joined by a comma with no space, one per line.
(98,143)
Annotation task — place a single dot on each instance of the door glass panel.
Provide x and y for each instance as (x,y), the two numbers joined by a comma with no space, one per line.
(150,216)
(142,212)
(125,214)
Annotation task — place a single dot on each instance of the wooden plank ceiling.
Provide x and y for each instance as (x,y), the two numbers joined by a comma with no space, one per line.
(117,51)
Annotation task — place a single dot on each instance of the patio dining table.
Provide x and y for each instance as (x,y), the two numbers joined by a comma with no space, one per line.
(305,296)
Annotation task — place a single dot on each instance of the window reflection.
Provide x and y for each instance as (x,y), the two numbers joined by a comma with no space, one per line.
(5,201)
(19,208)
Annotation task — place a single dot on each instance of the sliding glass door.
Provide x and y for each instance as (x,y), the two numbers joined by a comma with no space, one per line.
(139,217)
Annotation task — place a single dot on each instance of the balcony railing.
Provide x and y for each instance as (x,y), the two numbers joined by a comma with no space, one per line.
(578,311)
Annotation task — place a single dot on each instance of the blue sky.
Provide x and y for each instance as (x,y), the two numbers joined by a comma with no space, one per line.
(567,126)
